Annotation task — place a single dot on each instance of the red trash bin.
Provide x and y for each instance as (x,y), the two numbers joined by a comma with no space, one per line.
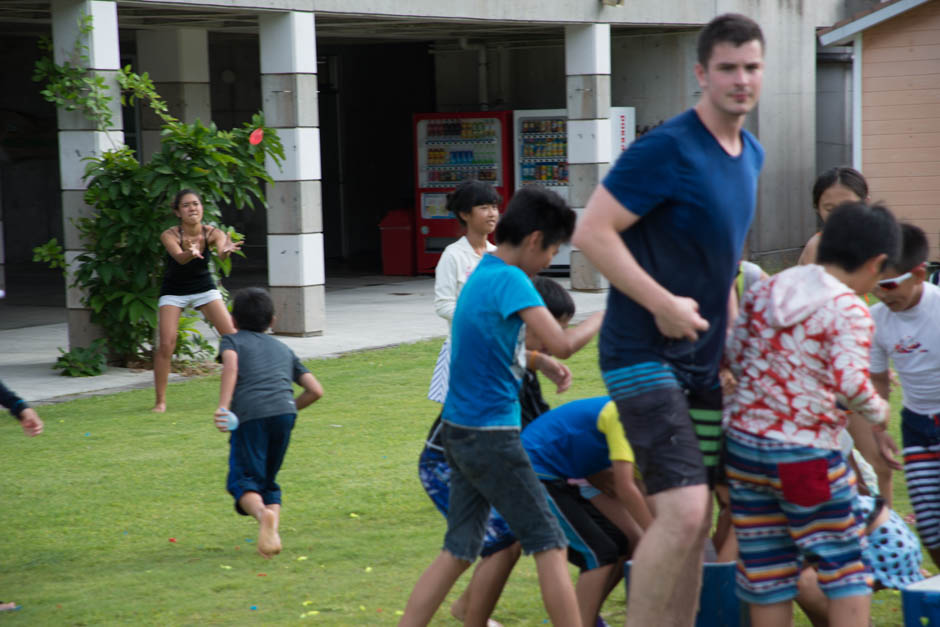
(398,248)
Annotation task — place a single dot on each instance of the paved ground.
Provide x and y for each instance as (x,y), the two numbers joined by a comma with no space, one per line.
(361,313)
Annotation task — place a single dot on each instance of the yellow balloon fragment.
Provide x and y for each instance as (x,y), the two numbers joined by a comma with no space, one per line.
(368,569)
(302,558)
(306,603)
(225,567)
(399,613)
(353,515)
(362,607)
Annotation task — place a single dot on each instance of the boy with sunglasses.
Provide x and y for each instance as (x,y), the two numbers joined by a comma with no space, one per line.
(907,333)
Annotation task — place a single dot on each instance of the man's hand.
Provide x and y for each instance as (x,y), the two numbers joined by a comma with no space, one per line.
(679,319)
(31,422)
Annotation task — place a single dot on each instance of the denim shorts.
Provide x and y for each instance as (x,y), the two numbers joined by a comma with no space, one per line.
(434,473)
(194,301)
(489,468)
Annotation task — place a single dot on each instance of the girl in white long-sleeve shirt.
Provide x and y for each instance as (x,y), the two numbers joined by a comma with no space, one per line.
(476,207)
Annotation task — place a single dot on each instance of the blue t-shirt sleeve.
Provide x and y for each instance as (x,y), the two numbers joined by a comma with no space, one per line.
(756,148)
(645,173)
(227,344)
(516,292)
(298,368)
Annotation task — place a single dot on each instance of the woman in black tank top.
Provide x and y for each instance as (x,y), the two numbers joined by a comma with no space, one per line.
(187,274)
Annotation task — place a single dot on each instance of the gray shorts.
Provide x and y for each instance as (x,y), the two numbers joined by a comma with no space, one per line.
(661,433)
(490,468)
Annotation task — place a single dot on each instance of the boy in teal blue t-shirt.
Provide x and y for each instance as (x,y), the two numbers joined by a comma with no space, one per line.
(481,414)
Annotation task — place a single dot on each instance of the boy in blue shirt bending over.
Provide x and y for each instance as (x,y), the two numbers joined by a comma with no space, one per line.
(481,414)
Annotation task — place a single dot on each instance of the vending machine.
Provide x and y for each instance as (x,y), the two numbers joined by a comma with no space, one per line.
(450,148)
(540,151)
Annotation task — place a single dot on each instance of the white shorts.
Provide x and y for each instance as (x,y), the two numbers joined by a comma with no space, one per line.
(190,300)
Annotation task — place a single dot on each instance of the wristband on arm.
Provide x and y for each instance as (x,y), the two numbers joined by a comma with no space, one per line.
(18,408)
(531,359)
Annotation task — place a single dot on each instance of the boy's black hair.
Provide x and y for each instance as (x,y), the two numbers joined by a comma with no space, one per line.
(840,175)
(468,195)
(534,208)
(253,309)
(914,248)
(557,299)
(855,232)
(732,28)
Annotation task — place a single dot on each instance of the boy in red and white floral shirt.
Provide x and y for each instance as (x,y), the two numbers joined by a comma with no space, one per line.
(800,346)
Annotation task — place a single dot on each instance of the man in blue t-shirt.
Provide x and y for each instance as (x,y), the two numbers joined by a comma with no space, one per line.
(666,227)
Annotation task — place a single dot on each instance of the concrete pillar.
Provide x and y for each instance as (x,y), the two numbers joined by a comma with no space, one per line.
(587,66)
(79,137)
(178,64)
(295,224)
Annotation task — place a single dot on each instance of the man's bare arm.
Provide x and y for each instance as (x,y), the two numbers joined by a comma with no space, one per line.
(598,237)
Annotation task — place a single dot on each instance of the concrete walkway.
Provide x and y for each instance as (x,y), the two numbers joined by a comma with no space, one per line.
(357,318)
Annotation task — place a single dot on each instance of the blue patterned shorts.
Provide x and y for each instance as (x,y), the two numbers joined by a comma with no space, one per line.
(434,473)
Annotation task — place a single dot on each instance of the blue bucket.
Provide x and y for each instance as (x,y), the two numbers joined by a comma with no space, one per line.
(922,600)
(719,606)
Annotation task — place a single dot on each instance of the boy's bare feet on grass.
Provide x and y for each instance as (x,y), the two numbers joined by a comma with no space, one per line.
(269,542)
(458,610)
(159,408)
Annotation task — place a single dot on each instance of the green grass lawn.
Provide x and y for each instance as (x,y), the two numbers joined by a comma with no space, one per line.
(116,515)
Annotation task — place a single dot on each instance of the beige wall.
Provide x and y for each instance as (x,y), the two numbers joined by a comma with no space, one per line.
(901,116)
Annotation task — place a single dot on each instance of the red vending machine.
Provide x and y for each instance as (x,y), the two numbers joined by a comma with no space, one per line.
(450,148)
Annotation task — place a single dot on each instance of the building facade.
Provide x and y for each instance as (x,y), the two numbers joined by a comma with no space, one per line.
(341,79)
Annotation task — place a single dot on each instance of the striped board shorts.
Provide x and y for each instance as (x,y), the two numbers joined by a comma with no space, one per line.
(791,504)
(920,435)
(704,406)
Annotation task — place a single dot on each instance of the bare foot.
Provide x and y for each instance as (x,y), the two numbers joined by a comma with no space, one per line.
(269,542)
(159,408)
(458,610)
(8,607)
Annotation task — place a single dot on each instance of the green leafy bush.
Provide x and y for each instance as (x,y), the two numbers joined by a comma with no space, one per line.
(83,362)
(122,267)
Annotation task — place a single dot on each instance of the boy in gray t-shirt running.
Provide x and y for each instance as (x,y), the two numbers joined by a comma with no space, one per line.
(257,371)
